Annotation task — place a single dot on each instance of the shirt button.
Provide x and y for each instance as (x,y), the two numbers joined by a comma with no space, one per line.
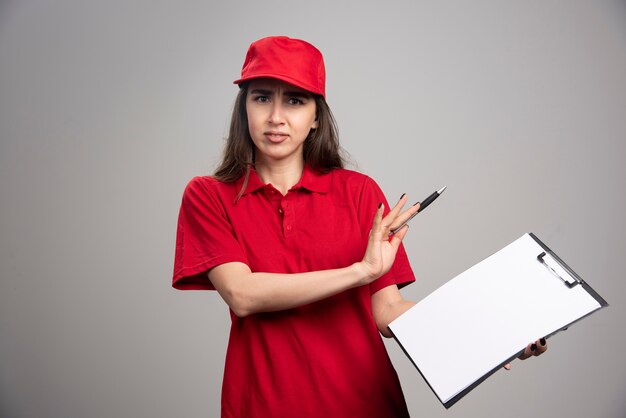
(280,210)
(288,227)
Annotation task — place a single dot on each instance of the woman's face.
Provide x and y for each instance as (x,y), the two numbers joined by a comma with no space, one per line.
(280,117)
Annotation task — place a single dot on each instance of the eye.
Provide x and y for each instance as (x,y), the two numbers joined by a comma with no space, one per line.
(295,101)
(261,98)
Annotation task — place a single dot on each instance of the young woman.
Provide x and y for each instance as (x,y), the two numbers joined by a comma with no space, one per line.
(300,250)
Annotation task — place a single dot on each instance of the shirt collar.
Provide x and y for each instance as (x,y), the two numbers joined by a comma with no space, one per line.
(312,180)
(254,182)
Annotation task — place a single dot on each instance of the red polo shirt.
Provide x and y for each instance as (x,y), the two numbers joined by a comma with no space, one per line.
(322,359)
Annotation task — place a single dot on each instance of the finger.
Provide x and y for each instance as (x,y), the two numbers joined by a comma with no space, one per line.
(542,346)
(507,366)
(393,213)
(529,351)
(405,216)
(378,219)
(397,238)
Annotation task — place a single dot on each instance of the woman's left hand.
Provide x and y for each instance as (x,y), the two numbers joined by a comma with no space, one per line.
(532,350)
(381,247)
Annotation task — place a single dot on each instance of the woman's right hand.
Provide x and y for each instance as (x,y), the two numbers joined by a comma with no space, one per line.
(381,248)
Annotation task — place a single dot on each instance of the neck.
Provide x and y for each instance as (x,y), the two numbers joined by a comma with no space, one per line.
(282,175)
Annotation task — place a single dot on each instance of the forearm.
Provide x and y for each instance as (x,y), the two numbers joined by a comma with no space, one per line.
(387,305)
(392,313)
(247,293)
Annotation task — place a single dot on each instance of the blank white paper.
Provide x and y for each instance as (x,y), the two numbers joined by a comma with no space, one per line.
(486,315)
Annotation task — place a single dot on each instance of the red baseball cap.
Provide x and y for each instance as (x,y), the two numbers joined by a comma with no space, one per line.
(291,60)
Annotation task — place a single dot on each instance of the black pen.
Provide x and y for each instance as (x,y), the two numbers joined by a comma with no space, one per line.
(423,205)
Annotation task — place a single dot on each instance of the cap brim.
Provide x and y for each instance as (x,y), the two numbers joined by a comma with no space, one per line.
(286,79)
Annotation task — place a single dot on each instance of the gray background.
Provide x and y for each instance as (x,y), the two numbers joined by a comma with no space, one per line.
(108,108)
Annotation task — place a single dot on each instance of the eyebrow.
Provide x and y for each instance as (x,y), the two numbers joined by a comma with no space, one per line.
(293,93)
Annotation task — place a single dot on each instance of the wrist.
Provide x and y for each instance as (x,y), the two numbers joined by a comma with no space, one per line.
(362,274)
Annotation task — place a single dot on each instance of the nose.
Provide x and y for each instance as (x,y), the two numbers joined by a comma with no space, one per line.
(276,116)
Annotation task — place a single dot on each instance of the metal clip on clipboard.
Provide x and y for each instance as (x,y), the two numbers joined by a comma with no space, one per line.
(568,283)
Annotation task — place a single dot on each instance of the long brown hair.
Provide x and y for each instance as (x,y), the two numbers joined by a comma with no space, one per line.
(321,148)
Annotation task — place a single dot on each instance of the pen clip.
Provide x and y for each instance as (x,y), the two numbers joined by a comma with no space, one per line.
(570,284)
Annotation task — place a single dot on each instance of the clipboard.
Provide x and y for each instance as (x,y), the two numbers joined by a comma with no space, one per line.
(517,295)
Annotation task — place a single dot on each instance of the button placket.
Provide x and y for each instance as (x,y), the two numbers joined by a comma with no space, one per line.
(288,217)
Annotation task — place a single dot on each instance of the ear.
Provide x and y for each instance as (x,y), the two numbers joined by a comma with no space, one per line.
(315,125)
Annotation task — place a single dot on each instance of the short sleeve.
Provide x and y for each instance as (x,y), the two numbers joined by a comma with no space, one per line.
(204,237)
(401,273)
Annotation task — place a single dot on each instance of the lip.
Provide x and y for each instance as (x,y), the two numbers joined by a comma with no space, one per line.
(275,136)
